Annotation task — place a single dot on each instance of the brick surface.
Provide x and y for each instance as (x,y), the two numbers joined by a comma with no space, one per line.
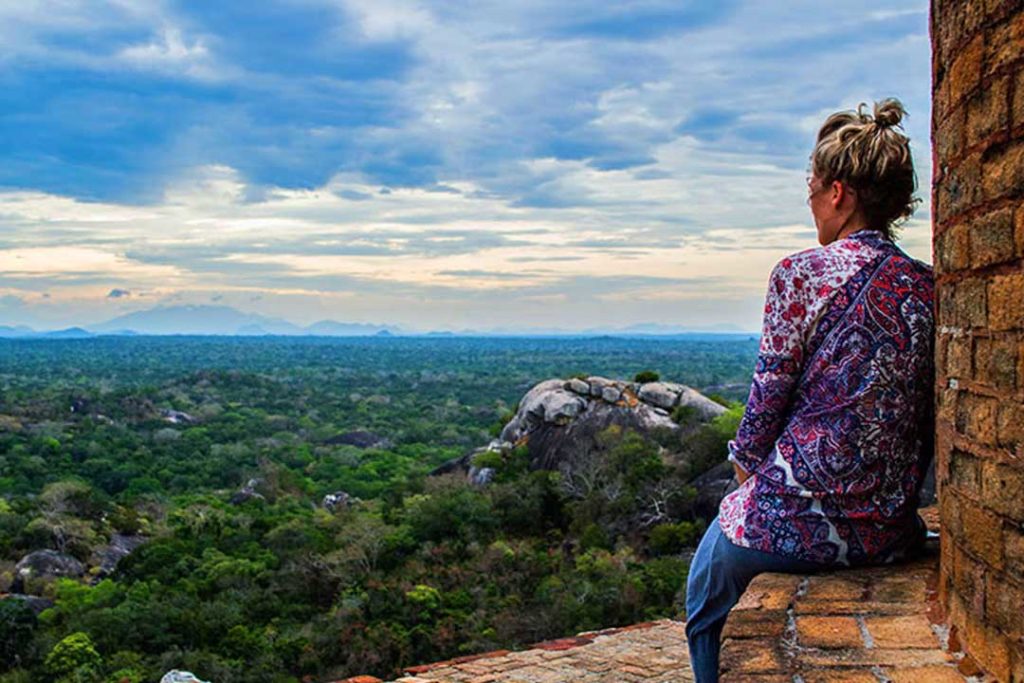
(840,676)
(901,632)
(1003,171)
(987,112)
(976,418)
(828,632)
(1004,293)
(1003,490)
(984,537)
(921,674)
(991,238)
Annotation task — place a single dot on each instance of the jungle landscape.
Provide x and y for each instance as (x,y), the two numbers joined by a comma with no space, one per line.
(278,509)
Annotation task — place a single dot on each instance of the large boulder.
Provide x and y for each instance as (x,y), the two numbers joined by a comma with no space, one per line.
(559,421)
(44,565)
(175,676)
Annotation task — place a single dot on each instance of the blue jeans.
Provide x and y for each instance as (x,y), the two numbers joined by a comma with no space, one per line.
(719,573)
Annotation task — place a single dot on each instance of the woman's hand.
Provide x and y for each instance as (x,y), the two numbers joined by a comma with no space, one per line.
(741,474)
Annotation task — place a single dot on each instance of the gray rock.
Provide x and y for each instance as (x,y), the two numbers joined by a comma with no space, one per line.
(706,408)
(120,547)
(247,492)
(559,426)
(34,602)
(611,394)
(597,384)
(578,386)
(175,676)
(661,394)
(45,564)
(177,417)
(481,476)
(338,499)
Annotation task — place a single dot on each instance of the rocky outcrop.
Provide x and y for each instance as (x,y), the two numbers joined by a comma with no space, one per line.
(33,602)
(560,420)
(338,500)
(178,417)
(105,560)
(45,565)
(176,676)
(247,492)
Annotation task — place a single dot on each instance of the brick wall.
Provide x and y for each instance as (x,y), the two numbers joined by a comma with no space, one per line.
(978,208)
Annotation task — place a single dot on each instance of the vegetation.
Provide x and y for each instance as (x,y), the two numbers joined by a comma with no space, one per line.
(156,437)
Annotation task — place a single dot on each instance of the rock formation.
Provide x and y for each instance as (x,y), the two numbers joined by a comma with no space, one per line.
(105,559)
(44,565)
(559,420)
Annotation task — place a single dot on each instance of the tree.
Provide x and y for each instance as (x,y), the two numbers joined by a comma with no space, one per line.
(74,660)
(17,631)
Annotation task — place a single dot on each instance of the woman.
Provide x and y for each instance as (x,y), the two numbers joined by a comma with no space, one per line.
(835,439)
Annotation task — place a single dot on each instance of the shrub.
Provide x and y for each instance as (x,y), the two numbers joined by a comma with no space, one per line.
(645,376)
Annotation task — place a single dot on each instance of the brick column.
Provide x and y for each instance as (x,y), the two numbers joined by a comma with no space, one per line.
(978,209)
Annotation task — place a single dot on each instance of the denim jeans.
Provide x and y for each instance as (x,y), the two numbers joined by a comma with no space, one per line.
(719,573)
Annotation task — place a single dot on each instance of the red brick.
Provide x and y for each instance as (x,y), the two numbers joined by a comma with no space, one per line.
(952,249)
(987,112)
(983,534)
(1010,425)
(1003,44)
(1003,603)
(1003,490)
(1018,230)
(989,647)
(950,136)
(1003,170)
(829,632)
(965,73)
(969,581)
(839,676)
(1006,301)
(991,238)
(965,473)
(1001,369)
(1017,109)
(932,674)
(960,188)
(901,632)
(976,418)
(751,656)
(1013,545)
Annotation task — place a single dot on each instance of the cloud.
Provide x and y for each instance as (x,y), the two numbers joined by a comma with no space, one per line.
(118,293)
(325,148)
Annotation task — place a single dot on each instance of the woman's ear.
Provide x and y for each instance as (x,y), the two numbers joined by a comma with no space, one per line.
(840,192)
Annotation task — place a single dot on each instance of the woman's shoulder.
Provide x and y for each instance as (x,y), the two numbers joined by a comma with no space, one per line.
(831,264)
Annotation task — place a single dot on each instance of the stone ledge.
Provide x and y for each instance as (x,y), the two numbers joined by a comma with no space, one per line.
(876,624)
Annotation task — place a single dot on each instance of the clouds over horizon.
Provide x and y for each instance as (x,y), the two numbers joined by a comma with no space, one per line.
(349,158)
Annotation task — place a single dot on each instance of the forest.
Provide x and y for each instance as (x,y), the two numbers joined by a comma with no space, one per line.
(262,510)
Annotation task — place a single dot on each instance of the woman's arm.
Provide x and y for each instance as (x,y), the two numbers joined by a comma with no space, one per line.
(779,365)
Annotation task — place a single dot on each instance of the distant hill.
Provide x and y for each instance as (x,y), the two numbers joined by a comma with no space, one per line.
(225,320)
(191,319)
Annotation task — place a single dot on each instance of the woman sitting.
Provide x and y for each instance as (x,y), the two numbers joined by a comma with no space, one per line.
(836,437)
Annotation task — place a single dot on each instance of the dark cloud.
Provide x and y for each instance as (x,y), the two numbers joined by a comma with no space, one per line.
(118,293)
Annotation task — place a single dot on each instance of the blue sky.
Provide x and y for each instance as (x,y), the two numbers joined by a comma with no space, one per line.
(430,164)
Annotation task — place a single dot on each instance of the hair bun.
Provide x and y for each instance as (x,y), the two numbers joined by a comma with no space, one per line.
(888,113)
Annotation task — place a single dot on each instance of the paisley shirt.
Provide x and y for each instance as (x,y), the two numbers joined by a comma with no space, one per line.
(837,430)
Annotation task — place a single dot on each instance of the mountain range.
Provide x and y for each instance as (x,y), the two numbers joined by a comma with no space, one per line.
(225,320)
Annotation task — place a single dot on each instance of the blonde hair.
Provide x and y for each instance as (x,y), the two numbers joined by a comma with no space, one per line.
(869,154)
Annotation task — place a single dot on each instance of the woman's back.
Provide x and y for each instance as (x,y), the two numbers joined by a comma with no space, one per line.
(837,424)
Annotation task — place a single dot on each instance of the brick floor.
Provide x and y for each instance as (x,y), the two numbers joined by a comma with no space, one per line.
(876,625)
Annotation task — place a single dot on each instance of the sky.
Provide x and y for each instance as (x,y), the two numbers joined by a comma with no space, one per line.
(430,164)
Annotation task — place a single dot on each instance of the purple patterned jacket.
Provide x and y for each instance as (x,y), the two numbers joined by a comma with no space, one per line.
(837,430)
